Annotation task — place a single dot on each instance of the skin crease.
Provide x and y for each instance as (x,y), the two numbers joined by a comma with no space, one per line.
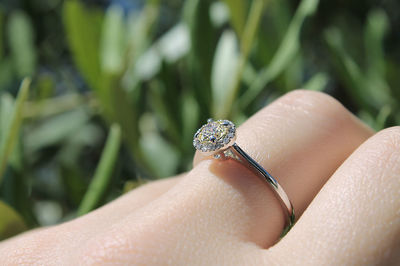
(220,213)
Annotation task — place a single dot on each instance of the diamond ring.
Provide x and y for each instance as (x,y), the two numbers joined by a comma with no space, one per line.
(217,139)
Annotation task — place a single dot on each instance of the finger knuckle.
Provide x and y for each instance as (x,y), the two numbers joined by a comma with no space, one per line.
(387,144)
(316,103)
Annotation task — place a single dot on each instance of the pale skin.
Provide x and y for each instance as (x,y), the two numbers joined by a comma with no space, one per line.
(343,180)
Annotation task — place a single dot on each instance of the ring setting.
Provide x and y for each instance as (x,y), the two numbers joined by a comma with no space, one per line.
(214,135)
(217,139)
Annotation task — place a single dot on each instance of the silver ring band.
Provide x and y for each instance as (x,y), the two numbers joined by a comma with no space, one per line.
(284,199)
(217,139)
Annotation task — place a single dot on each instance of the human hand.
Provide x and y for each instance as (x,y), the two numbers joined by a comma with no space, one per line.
(346,199)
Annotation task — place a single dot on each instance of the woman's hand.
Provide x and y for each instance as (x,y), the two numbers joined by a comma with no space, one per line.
(344,185)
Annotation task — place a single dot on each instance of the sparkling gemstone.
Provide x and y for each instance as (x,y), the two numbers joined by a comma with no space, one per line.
(214,135)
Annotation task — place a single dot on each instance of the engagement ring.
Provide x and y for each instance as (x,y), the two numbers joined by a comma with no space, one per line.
(217,139)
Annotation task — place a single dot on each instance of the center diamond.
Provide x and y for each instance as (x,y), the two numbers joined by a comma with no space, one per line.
(214,135)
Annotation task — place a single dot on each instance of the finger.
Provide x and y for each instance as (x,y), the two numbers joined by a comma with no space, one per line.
(355,219)
(59,242)
(301,139)
(126,204)
(140,196)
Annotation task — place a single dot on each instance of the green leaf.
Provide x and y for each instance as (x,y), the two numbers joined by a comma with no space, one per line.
(6,72)
(375,30)
(147,66)
(113,41)
(175,43)
(369,94)
(203,39)
(162,157)
(286,52)
(224,71)
(83,26)
(1,34)
(190,118)
(131,185)
(139,33)
(13,126)
(383,115)
(6,108)
(171,47)
(21,43)
(219,14)
(55,129)
(85,135)
(237,14)
(165,109)
(11,223)
(102,176)
(348,68)
(83,30)
(48,212)
(246,42)
(317,82)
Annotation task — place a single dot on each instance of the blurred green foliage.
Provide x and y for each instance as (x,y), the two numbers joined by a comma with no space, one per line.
(148,73)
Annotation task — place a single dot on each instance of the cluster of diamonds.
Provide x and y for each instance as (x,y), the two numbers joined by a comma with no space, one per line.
(214,135)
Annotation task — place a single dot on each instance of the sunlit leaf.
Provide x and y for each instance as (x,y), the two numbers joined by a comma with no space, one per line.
(174,44)
(148,65)
(11,131)
(113,41)
(225,67)
(55,129)
(161,155)
(317,82)
(83,31)
(11,223)
(382,117)
(139,32)
(219,13)
(287,50)
(246,42)
(6,109)
(102,176)
(237,14)
(48,212)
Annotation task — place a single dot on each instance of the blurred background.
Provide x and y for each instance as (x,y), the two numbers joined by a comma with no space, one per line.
(100,96)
